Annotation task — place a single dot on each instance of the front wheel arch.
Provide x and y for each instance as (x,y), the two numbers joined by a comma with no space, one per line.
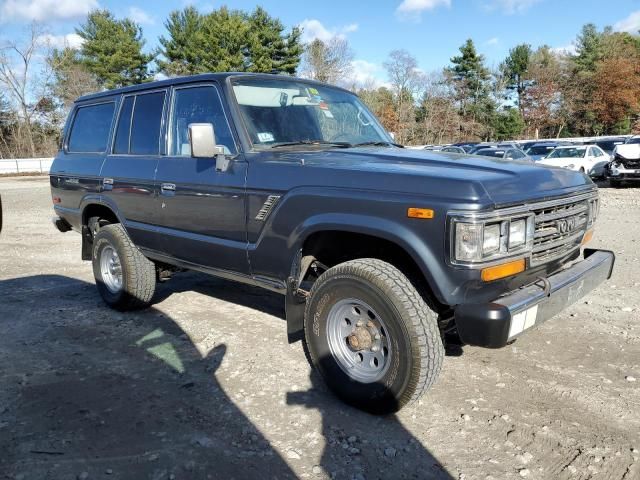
(323,249)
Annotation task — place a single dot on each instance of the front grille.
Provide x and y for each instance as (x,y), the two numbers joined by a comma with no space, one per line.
(559,229)
(626,163)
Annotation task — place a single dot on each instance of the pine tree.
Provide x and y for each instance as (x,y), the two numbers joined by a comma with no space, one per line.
(182,50)
(588,48)
(515,69)
(112,50)
(228,40)
(472,82)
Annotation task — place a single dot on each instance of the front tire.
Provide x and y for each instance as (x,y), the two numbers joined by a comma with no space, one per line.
(371,336)
(125,278)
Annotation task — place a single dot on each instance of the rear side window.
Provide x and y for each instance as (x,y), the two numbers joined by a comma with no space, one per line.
(139,123)
(121,144)
(145,125)
(91,127)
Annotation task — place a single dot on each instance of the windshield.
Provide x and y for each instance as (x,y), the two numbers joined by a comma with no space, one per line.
(569,152)
(279,112)
(634,140)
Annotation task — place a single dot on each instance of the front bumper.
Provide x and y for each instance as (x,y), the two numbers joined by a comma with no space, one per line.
(494,324)
(622,173)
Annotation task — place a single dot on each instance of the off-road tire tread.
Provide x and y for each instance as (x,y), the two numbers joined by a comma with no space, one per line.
(141,272)
(421,322)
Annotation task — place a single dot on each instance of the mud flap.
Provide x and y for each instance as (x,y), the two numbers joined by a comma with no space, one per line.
(294,307)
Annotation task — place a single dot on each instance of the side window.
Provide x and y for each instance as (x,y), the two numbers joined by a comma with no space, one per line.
(515,154)
(145,124)
(121,144)
(198,105)
(91,127)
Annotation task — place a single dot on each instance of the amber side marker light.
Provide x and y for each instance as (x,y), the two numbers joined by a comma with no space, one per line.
(503,270)
(425,213)
(587,237)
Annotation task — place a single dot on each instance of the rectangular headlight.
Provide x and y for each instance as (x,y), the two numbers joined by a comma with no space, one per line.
(517,233)
(491,242)
(468,242)
(479,240)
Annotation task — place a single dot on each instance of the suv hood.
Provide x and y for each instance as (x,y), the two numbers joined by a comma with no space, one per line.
(454,176)
(629,151)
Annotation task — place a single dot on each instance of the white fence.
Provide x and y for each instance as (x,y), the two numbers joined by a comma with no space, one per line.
(25,165)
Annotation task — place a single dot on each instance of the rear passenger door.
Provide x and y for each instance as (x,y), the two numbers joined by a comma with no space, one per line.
(202,211)
(129,171)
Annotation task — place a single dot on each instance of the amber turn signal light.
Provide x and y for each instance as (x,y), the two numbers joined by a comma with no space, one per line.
(503,270)
(425,213)
(587,237)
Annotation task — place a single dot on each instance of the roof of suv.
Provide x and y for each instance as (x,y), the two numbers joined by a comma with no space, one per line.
(220,77)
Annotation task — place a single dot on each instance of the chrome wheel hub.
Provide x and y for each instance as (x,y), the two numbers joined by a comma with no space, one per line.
(111,269)
(358,340)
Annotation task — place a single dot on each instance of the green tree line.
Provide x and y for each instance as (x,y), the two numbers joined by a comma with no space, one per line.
(533,92)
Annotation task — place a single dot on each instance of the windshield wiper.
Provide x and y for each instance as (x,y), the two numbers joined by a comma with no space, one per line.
(312,142)
(377,143)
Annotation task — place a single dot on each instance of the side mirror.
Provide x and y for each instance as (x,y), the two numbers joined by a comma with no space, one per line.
(392,135)
(202,140)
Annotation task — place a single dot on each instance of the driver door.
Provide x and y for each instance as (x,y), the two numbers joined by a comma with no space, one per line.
(202,210)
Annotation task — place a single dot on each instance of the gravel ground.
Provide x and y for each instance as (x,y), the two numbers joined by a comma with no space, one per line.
(204,385)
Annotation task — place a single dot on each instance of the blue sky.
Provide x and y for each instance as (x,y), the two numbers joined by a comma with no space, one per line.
(432,30)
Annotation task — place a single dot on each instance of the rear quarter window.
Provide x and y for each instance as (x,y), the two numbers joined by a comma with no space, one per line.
(146,123)
(90,128)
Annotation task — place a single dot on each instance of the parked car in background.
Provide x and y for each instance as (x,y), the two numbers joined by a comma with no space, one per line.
(609,144)
(466,146)
(453,149)
(625,165)
(524,146)
(540,150)
(502,145)
(589,159)
(504,153)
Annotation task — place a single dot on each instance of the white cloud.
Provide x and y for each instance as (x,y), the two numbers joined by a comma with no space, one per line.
(492,41)
(71,40)
(565,50)
(630,24)
(420,5)
(367,74)
(140,16)
(412,9)
(511,7)
(312,29)
(45,10)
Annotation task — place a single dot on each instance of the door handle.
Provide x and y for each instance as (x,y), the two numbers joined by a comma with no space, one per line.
(168,187)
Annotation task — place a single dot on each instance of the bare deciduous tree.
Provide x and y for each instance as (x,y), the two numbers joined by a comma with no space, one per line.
(328,62)
(406,79)
(20,82)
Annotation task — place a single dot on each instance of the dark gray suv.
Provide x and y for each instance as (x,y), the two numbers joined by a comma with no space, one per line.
(382,254)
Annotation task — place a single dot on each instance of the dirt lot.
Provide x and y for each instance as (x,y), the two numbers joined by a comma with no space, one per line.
(204,385)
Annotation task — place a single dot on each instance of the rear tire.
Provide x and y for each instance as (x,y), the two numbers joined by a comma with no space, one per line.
(125,278)
(614,183)
(374,302)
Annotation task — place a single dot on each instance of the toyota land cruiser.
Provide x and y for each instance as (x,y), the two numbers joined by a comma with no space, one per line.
(382,253)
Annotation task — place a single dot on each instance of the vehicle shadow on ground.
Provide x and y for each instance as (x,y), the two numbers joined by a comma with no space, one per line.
(233,292)
(247,296)
(128,395)
(360,446)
